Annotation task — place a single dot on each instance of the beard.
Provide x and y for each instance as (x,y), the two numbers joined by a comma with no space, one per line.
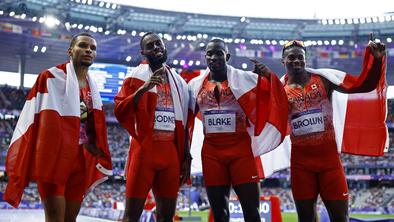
(86,64)
(155,61)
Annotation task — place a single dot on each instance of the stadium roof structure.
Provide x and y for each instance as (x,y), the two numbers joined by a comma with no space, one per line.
(35,33)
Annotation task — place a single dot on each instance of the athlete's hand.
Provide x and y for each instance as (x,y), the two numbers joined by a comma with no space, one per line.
(185,169)
(261,69)
(378,49)
(93,149)
(155,80)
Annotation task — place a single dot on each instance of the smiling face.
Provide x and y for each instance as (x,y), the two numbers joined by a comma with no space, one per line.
(216,55)
(152,47)
(83,51)
(294,60)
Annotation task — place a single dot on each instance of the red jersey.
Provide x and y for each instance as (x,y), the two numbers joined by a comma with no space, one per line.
(221,116)
(310,113)
(164,122)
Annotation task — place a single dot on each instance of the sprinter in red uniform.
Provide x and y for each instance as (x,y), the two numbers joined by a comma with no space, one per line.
(315,163)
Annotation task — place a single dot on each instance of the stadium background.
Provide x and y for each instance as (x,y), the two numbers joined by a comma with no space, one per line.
(34,35)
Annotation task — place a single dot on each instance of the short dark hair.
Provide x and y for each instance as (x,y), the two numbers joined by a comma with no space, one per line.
(74,39)
(219,40)
(293,43)
(146,34)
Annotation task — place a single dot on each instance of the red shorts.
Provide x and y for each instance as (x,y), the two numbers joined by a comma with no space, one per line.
(317,170)
(74,189)
(228,161)
(155,168)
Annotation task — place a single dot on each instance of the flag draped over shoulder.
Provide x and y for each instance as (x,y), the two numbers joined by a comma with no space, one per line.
(263,101)
(138,121)
(46,138)
(359,119)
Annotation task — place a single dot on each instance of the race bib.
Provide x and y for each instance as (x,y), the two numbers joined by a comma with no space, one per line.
(164,119)
(311,121)
(219,121)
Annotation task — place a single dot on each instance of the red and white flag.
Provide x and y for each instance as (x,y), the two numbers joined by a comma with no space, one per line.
(46,137)
(264,103)
(139,121)
(359,119)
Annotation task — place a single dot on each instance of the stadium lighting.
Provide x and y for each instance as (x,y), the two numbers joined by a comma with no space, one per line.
(34,19)
(87,28)
(343,21)
(1,12)
(178,37)
(368,20)
(314,43)
(326,42)
(349,21)
(190,63)
(114,6)
(377,40)
(128,58)
(198,62)
(77,1)
(362,20)
(268,42)
(133,33)
(242,40)
(182,62)
(389,40)
(320,42)
(101,4)
(340,42)
(23,16)
(375,19)
(107,32)
(141,34)
(43,49)
(337,21)
(35,49)
(355,20)
(330,22)
(244,65)
(204,36)
(199,35)
(274,42)
(381,18)
(12,13)
(100,29)
(90,2)
(80,26)
(84,1)
(183,37)
(93,29)
(51,21)
(243,19)
(108,5)
(175,62)
(388,18)
(202,44)
(324,22)
(333,42)
(67,25)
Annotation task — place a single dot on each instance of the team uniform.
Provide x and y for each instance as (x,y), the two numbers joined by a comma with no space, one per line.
(237,126)
(157,130)
(315,162)
(47,145)
(226,149)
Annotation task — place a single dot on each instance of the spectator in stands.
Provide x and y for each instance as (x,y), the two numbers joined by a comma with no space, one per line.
(227,156)
(315,164)
(63,144)
(152,106)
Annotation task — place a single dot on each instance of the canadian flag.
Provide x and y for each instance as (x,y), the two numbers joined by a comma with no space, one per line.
(46,137)
(264,103)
